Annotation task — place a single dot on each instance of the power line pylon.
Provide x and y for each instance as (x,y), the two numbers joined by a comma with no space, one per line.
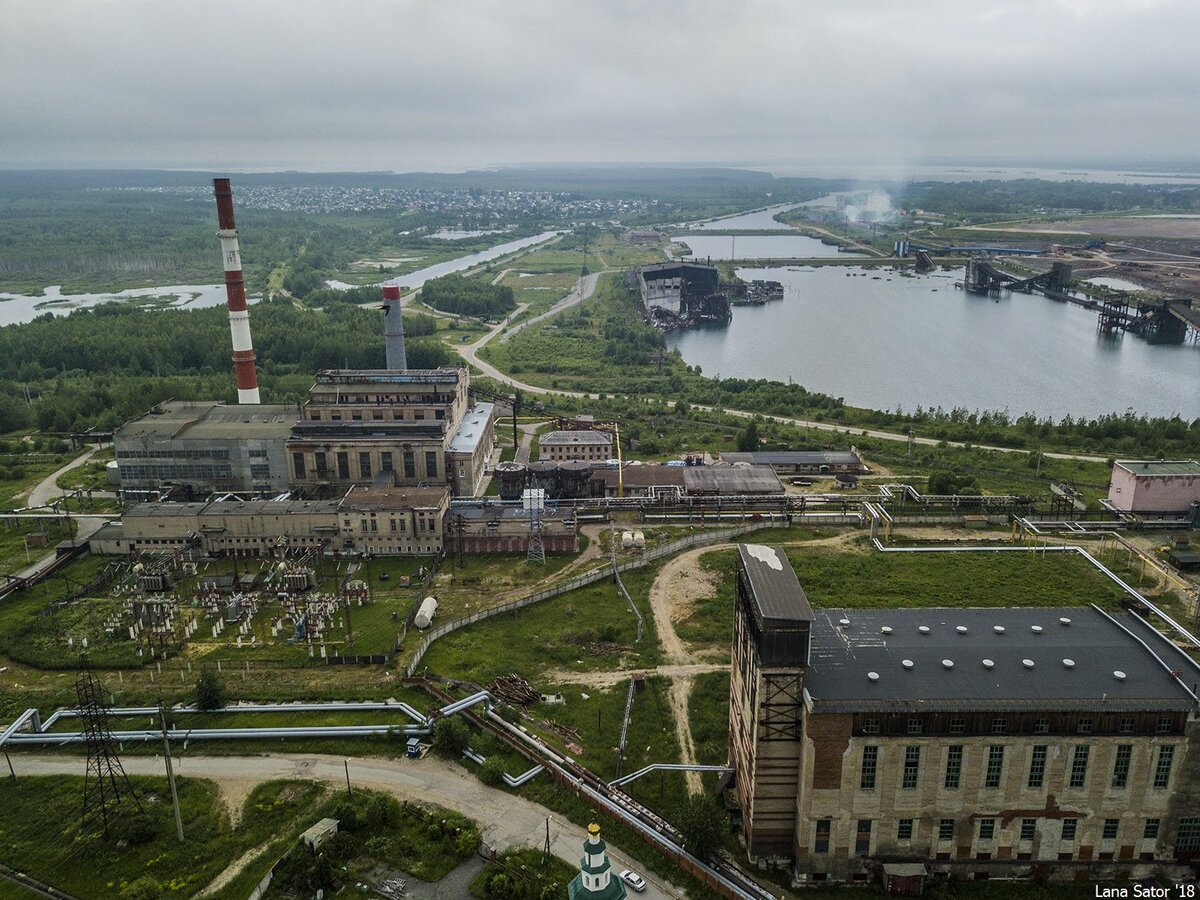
(106,789)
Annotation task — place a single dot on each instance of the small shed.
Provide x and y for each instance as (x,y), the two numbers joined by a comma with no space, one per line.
(319,833)
(904,879)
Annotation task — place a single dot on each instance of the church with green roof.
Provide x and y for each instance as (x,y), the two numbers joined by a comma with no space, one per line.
(595,880)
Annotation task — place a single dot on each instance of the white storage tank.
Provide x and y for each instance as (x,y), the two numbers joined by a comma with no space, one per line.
(626,540)
(425,612)
(639,540)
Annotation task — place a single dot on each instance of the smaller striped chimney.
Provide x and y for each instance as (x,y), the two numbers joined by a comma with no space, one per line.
(235,295)
(393,328)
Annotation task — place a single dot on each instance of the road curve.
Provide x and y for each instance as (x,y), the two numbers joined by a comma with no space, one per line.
(470,353)
(506,820)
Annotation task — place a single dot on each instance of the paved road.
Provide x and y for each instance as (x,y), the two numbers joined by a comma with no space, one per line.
(471,354)
(507,821)
(582,290)
(48,489)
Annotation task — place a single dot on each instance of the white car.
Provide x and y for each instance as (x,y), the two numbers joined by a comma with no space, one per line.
(633,879)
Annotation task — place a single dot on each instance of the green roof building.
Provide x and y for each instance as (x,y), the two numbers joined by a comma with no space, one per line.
(595,880)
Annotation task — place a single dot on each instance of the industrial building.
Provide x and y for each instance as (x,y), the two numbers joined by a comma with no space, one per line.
(1154,486)
(411,427)
(486,528)
(984,743)
(591,446)
(803,462)
(725,481)
(678,294)
(206,447)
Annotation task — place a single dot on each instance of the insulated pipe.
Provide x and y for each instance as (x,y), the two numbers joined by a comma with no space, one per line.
(235,294)
(393,328)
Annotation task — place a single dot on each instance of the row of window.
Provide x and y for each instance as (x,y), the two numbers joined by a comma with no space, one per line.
(1187,838)
(994,772)
(180,453)
(1000,724)
(366,470)
(377,416)
(175,473)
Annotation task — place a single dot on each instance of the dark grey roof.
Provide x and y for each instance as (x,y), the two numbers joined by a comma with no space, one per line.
(778,598)
(795,458)
(731,480)
(1099,645)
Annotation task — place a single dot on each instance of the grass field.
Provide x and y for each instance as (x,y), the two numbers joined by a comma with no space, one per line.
(868,579)
(91,475)
(13,532)
(574,632)
(524,871)
(40,834)
(20,473)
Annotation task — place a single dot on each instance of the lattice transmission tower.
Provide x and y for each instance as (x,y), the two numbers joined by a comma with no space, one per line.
(107,792)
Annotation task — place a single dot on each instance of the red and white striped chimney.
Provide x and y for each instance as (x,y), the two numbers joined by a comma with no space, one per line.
(235,293)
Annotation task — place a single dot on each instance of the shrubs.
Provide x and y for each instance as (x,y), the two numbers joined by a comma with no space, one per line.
(210,692)
(450,737)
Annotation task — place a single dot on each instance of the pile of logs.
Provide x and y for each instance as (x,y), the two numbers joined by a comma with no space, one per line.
(514,689)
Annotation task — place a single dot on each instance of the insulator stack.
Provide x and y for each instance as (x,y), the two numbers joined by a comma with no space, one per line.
(393,328)
(235,293)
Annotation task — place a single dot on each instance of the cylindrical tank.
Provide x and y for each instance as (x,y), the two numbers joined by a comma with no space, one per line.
(639,540)
(510,479)
(626,540)
(112,472)
(425,612)
(574,475)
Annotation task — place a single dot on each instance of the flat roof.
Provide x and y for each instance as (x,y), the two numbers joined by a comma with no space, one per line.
(398,497)
(779,600)
(795,458)
(390,376)
(1098,646)
(732,480)
(1161,468)
(510,512)
(641,475)
(210,419)
(582,438)
(472,428)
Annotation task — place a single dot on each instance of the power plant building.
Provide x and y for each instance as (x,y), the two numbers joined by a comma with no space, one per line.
(1154,486)
(980,742)
(205,446)
(591,446)
(803,462)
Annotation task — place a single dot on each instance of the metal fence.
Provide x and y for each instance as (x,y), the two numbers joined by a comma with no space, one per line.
(591,577)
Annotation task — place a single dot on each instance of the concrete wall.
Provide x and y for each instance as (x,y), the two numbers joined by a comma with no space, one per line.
(1133,492)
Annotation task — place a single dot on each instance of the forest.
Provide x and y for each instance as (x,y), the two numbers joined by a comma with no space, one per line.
(100,366)
(474,296)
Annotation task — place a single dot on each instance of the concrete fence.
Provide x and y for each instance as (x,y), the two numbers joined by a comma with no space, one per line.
(695,540)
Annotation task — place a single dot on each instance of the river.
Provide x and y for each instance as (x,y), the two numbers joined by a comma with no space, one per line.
(758,246)
(884,341)
(17,308)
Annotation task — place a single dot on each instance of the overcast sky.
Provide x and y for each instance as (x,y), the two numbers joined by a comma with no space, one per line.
(392,84)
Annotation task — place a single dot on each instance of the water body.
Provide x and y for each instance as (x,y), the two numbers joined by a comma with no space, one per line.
(414,280)
(752,221)
(758,246)
(919,341)
(868,173)
(16,308)
(1117,284)
(450,234)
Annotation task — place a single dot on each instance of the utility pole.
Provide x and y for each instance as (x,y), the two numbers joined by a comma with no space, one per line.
(546,849)
(11,773)
(349,792)
(162,721)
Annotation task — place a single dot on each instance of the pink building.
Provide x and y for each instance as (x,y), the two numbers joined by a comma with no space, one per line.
(1154,486)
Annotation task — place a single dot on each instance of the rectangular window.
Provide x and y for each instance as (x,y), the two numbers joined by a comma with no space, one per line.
(1028,829)
(1068,829)
(1164,725)
(821,842)
(995,766)
(1111,826)
(322,468)
(385,461)
(999,725)
(954,758)
(410,465)
(1041,726)
(862,843)
(1187,840)
(343,464)
(1150,832)
(1037,766)
(1162,771)
(904,830)
(298,464)
(1079,764)
(987,829)
(870,726)
(1121,765)
(912,766)
(915,726)
(431,466)
(1126,726)
(364,465)
(958,726)
(946,830)
(1084,726)
(870,762)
